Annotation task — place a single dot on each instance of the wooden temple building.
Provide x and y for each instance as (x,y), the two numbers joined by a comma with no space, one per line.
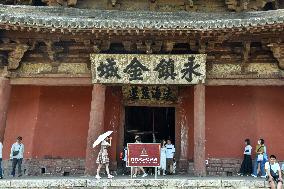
(207,74)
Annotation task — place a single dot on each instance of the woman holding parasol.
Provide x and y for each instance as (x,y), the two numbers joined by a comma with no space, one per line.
(103,158)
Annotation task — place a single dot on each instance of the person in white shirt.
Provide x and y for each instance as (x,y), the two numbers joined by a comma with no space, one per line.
(17,155)
(138,140)
(170,154)
(246,167)
(1,172)
(273,172)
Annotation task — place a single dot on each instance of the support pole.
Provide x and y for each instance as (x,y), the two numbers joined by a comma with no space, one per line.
(5,92)
(199,130)
(96,127)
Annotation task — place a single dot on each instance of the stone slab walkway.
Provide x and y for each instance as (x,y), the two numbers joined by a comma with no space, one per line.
(173,182)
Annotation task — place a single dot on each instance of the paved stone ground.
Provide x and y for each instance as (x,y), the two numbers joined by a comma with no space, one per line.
(124,182)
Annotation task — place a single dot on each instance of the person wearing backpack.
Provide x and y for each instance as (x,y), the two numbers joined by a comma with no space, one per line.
(273,172)
(17,155)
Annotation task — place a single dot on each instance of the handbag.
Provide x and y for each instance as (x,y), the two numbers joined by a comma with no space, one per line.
(265,157)
(272,173)
(15,153)
(260,157)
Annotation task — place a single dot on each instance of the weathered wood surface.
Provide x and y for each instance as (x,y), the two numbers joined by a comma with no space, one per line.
(96,127)
(199,130)
(5,90)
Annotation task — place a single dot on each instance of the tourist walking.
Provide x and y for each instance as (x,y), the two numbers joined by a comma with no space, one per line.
(138,140)
(17,155)
(1,171)
(103,158)
(246,167)
(260,159)
(273,172)
(163,158)
(170,154)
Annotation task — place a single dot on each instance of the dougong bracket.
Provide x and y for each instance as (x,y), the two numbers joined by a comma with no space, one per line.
(15,56)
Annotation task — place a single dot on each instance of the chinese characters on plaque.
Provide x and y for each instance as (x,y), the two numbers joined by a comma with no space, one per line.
(150,94)
(148,69)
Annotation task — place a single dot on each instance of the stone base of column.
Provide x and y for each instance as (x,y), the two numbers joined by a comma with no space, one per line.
(182,166)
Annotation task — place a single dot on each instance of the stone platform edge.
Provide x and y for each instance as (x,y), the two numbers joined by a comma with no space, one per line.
(134,183)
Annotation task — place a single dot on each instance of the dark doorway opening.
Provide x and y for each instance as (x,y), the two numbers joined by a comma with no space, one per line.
(152,123)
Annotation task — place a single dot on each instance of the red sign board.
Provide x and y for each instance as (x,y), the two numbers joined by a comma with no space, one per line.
(143,154)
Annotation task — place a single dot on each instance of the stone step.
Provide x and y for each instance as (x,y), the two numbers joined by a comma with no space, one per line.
(167,182)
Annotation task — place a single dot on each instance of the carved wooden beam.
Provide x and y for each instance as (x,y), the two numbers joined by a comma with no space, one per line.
(246,51)
(17,2)
(232,4)
(193,45)
(49,49)
(189,5)
(71,3)
(202,46)
(60,2)
(15,56)
(241,5)
(148,45)
(237,5)
(51,2)
(105,45)
(278,53)
(3,60)
(101,45)
(52,49)
(152,5)
(7,46)
(140,46)
(157,46)
(168,46)
(113,2)
(259,4)
(128,46)
(4,72)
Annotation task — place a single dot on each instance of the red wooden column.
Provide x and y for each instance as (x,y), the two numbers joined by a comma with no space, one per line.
(199,130)
(5,91)
(96,127)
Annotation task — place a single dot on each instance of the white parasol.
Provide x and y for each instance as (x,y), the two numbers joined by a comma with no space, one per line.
(101,138)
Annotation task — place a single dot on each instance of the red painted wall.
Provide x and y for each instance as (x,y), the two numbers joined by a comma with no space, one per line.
(22,118)
(236,113)
(52,120)
(63,122)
